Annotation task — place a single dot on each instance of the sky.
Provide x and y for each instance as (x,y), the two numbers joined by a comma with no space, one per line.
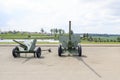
(87,16)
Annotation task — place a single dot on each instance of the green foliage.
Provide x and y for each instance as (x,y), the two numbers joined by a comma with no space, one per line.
(118,39)
(55,33)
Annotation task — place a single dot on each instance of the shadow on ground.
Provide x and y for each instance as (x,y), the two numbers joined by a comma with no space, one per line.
(87,65)
(29,58)
(82,60)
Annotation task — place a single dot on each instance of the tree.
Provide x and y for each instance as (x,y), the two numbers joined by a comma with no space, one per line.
(111,40)
(90,38)
(108,40)
(42,30)
(60,31)
(95,39)
(63,32)
(118,39)
(51,30)
(56,31)
(85,36)
(0,31)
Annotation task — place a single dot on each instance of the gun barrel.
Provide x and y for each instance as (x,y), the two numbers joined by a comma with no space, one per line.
(69,30)
(21,44)
(17,41)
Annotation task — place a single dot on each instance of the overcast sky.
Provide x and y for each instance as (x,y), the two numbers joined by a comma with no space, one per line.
(87,16)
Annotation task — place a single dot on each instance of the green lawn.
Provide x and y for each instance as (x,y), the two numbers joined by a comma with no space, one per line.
(25,36)
(44,36)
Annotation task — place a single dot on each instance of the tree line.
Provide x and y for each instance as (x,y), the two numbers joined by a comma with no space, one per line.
(90,38)
(57,32)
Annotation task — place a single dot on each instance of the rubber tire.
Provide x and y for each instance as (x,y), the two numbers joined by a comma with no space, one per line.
(14,52)
(59,50)
(79,51)
(38,52)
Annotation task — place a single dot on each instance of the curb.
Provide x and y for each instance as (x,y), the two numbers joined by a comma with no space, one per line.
(56,45)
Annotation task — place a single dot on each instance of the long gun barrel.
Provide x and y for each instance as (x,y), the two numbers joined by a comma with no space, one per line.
(21,44)
(70,30)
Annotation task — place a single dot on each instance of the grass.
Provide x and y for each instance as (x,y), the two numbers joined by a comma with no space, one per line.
(37,43)
(43,36)
(25,36)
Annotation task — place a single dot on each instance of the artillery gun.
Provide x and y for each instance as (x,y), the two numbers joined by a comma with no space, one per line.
(69,43)
(28,46)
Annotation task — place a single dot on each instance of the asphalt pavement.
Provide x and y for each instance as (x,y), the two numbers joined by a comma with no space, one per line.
(98,62)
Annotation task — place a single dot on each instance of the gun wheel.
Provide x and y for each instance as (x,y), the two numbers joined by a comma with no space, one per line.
(59,50)
(79,51)
(14,53)
(38,52)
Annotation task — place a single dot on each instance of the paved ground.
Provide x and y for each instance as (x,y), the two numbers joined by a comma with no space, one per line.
(97,63)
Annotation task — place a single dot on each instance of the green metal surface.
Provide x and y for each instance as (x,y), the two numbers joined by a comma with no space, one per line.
(27,46)
(21,44)
(69,44)
(71,41)
(25,51)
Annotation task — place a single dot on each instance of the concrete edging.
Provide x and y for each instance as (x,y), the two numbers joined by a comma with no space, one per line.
(56,45)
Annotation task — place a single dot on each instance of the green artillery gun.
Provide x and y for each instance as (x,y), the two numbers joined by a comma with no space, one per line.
(28,46)
(69,43)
